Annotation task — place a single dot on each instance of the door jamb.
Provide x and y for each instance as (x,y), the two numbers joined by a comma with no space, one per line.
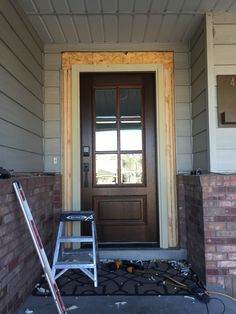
(135,61)
(160,133)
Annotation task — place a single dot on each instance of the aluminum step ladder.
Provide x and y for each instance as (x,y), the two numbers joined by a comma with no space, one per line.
(82,258)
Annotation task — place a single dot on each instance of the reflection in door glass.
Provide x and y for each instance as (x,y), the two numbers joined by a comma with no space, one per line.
(106,169)
(130,102)
(131,169)
(106,136)
(131,135)
(105,100)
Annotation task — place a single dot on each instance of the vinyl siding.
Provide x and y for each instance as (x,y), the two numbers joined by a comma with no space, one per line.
(224,26)
(199,99)
(183,112)
(21,92)
(52,65)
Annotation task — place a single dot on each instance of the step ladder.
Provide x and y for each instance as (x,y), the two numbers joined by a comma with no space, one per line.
(39,247)
(80,258)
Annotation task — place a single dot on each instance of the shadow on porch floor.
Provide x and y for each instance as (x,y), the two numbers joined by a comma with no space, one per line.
(129,305)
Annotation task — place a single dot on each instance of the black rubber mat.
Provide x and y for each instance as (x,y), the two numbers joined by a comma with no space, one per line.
(129,278)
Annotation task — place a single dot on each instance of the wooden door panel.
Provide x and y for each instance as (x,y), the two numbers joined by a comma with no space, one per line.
(124,212)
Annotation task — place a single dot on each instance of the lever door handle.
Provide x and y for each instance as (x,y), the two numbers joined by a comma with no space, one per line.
(86,167)
(86,170)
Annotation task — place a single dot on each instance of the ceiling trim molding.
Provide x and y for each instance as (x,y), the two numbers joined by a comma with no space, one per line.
(102,13)
(120,47)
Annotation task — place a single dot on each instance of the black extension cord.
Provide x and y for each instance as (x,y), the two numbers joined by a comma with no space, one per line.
(200,293)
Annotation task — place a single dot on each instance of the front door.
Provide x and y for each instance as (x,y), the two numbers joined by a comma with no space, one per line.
(119,155)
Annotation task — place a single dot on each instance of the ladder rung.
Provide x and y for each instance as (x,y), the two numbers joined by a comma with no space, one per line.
(74,265)
(75,239)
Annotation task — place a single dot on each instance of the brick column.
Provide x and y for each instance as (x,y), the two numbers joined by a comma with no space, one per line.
(210,212)
(19,265)
(219,203)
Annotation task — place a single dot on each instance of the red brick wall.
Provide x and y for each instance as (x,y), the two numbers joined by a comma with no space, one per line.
(181,212)
(191,195)
(219,202)
(19,264)
(210,212)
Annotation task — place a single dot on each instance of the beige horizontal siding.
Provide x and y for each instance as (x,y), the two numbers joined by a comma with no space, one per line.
(20,160)
(225,54)
(51,78)
(224,64)
(12,112)
(20,139)
(199,104)
(52,151)
(18,70)
(11,39)
(11,87)
(183,111)
(52,146)
(184,145)
(226,138)
(52,112)
(21,92)
(18,22)
(200,142)
(221,30)
(184,162)
(199,99)
(200,160)
(200,123)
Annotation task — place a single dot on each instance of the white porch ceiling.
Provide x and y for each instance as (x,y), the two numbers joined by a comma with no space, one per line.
(119,21)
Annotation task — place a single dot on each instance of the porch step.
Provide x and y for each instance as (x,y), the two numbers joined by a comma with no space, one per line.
(142,254)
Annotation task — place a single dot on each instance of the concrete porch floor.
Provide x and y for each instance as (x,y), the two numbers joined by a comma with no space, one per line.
(132,304)
(129,305)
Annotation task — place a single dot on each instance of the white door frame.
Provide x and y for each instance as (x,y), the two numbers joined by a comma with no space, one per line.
(161,175)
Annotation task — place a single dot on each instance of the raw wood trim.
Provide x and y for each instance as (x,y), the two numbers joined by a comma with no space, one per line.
(121,58)
(66,135)
(71,58)
(66,151)
(171,157)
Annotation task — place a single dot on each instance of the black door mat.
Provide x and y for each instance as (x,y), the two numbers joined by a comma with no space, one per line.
(127,278)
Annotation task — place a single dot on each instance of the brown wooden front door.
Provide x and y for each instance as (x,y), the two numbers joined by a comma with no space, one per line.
(119,155)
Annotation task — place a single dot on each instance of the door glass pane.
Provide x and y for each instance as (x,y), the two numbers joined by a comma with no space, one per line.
(131,169)
(106,136)
(106,169)
(130,102)
(105,100)
(131,135)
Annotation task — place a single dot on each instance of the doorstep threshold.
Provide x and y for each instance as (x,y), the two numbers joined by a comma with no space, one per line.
(142,253)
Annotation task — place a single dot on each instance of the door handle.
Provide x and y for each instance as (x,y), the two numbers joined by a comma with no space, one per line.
(86,167)
(86,170)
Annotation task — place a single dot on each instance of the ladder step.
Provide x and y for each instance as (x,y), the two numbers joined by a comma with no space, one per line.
(75,239)
(74,265)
